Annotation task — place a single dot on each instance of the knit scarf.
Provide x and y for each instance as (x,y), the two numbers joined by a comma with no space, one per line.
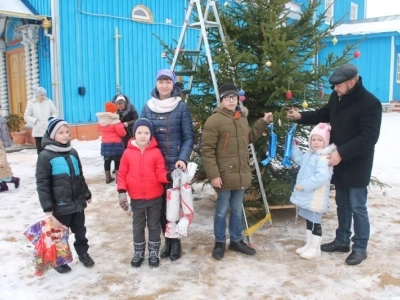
(163,106)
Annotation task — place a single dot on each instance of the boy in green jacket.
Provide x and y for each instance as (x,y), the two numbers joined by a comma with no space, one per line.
(225,153)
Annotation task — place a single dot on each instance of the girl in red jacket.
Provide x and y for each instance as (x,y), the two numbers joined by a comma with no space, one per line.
(142,174)
(112,131)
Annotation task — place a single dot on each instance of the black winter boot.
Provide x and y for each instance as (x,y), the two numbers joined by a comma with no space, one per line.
(86,260)
(109,179)
(175,249)
(3,187)
(241,247)
(138,257)
(154,248)
(63,269)
(166,250)
(219,250)
(15,180)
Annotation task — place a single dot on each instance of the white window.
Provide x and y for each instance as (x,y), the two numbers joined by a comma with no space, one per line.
(398,69)
(329,11)
(353,11)
(141,13)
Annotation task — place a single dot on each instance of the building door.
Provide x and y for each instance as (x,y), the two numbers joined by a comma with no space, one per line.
(15,60)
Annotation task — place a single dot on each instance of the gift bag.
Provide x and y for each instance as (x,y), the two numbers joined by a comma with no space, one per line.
(50,240)
(180,203)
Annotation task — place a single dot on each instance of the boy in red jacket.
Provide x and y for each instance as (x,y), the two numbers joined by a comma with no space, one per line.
(142,174)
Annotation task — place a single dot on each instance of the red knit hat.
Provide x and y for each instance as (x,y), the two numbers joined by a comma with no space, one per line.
(110,107)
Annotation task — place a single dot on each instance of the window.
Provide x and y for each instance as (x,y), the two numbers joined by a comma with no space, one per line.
(141,13)
(398,69)
(353,11)
(329,11)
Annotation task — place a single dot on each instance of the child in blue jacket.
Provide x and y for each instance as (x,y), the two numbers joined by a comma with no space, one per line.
(311,192)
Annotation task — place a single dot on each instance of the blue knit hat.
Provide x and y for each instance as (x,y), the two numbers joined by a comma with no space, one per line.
(53,126)
(143,122)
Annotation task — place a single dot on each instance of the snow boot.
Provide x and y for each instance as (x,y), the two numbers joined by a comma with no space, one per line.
(314,250)
(154,248)
(175,249)
(63,269)
(86,260)
(166,250)
(15,180)
(138,257)
(109,179)
(242,247)
(3,187)
(305,247)
(219,250)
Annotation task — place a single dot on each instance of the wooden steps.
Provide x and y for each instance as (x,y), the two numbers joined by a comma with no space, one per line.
(394,106)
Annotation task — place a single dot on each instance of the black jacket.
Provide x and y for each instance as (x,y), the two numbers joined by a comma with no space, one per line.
(356,121)
(128,115)
(59,180)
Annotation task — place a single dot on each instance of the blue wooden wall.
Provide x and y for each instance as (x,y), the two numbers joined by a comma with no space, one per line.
(88,51)
(373,64)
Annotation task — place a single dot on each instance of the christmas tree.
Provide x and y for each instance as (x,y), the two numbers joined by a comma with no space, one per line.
(274,59)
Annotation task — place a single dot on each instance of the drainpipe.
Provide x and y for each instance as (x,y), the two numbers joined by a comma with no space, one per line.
(55,68)
(117,82)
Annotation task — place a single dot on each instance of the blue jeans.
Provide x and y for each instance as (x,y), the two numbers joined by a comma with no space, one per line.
(232,199)
(352,204)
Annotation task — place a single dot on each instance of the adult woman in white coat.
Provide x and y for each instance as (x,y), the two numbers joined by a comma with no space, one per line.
(38,111)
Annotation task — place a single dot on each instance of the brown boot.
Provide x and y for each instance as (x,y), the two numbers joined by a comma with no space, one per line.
(109,179)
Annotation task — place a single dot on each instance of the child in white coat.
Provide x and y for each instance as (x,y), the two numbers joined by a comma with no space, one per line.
(311,192)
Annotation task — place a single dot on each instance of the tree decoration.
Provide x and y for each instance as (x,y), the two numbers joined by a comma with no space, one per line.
(242,96)
(268,63)
(287,155)
(272,146)
(227,4)
(163,55)
(334,41)
(289,94)
(304,104)
(357,54)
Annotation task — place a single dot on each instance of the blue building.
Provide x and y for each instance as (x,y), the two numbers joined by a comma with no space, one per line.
(84,52)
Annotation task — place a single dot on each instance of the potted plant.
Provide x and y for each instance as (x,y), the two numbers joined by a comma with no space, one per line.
(15,124)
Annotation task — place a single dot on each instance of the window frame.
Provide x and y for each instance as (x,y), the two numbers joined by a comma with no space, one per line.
(329,11)
(148,18)
(353,11)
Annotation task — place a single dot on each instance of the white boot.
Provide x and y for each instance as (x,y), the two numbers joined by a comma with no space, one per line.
(314,251)
(305,247)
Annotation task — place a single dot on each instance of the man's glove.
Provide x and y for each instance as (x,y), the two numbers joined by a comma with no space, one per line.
(123,201)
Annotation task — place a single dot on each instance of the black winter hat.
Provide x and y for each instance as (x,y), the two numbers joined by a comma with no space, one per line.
(343,73)
(53,126)
(143,122)
(227,89)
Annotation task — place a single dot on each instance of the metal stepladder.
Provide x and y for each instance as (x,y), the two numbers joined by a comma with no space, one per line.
(202,25)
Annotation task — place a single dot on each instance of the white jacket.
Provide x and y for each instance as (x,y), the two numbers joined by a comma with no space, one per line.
(37,114)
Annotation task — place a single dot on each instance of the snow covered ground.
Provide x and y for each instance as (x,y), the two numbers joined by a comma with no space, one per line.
(275,272)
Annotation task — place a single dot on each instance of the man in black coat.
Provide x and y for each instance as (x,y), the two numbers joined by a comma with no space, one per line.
(355,117)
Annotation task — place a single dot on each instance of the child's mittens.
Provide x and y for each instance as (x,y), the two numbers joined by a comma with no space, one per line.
(123,201)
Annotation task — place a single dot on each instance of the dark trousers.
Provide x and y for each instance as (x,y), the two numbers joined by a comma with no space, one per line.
(352,206)
(315,228)
(107,164)
(76,222)
(38,142)
(146,211)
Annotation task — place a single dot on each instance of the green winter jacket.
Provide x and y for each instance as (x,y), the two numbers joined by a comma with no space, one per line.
(225,147)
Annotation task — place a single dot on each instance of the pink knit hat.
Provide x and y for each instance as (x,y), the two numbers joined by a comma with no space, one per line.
(323,130)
